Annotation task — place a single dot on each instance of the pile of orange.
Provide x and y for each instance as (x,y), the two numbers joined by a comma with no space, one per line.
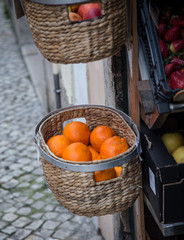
(78,143)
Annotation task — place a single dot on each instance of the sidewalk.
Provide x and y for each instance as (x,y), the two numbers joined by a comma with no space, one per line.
(28,210)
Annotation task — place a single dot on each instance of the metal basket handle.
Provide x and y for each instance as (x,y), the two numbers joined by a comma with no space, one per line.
(60,2)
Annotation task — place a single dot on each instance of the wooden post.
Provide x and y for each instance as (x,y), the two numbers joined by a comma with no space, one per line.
(135,112)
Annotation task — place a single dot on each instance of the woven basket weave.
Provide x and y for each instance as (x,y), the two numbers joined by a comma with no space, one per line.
(78,191)
(63,41)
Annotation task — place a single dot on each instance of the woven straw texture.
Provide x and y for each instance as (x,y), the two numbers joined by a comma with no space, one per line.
(78,191)
(63,41)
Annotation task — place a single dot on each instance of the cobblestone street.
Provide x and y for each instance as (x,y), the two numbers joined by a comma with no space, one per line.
(28,210)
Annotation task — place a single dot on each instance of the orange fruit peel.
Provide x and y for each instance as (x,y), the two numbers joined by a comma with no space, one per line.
(57,144)
(77,152)
(99,135)
(77,132)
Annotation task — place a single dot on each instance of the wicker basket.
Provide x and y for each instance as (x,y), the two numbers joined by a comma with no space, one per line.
(73,183)
(63,41)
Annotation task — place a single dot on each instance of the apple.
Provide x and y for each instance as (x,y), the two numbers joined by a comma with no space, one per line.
(178,154)
(89,10)
(172,141)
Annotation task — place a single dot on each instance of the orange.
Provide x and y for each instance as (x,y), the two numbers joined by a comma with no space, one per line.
(95,154)
(74,8)
(113,146)
(77,132)
(118,171)
(99,135)
(78,152)
(104,175)
(57,144)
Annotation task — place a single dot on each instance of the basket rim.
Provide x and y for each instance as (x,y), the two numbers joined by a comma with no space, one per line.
(91,166)
(59,2)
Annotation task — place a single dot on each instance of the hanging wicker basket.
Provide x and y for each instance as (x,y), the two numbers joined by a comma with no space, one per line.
(62,41)
(73,183)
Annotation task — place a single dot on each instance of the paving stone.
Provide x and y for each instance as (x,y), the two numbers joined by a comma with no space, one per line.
(24,211)
(45,233)
(61,209)
(33,237)
(15,166)
(24,161)
(24,185)
(36,186)
(28,168)
(38,195)
(9,200)
(84,235)
(21,234)
(9,217)
(4,205)
(96,237)
(61,234)
(69,226)
(40,180)
(78,219)
(38,171)
(21,222)
(19,205)
(3,236)
(16,194)
(50,215)
(35,225)
(11,210)
(27,177)
(17,173)
(37,215)
(51,225)
(5,178)
(29,202)
(21,199)
(64,217)
(10,184)
(85,227)
(9,230)
(3,224)
(49,207)
(38,205)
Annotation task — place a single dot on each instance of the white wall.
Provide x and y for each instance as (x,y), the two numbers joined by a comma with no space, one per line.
(80,83)
(74,80)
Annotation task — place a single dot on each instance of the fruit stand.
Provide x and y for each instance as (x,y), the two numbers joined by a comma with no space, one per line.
(154,52)
(161,63)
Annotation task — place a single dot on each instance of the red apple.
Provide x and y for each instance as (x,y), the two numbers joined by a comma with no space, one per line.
(89,10)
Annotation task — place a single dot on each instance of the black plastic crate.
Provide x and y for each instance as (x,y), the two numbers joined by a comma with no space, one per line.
(149,41)
(163,178)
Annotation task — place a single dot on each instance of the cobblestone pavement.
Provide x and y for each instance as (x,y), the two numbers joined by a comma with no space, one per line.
(28,210)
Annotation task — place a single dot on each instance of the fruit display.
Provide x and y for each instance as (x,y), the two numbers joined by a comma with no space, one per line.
(178,154)
(77,143)
(84,11)
(171,41)
(174,142)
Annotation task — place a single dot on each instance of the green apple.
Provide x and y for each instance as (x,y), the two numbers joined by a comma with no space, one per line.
(172,141)
(178,154)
